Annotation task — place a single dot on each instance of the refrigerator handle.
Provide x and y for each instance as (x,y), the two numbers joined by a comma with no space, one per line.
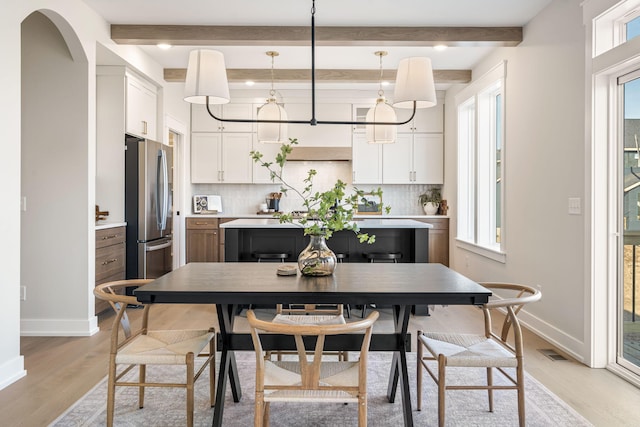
(158,247)
(162,191)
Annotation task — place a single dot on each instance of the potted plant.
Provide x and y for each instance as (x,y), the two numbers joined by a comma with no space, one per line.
(430,200)
(327,212)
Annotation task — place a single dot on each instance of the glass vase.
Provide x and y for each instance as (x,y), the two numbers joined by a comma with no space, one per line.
(317,259)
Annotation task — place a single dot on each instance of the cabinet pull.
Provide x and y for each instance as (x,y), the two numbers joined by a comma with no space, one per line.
(109,261)
(144,127)
(111,236)
(202,223)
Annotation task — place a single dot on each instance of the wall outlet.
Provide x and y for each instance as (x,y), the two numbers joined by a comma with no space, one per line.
(23,293)
(575,207)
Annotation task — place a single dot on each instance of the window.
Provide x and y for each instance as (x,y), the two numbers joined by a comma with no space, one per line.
(481,165)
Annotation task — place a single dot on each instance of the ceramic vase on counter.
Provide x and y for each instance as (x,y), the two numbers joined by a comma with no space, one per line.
(317,259)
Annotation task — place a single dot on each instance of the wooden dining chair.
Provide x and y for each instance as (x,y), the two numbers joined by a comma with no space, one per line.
(136,345)
(310,314)
(488,350)
(309,378)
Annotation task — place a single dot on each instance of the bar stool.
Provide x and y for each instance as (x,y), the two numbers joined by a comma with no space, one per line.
(383,256)
(341,256)
(270,256)
(380,256)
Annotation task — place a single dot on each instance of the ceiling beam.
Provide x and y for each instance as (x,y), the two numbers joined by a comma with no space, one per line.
(324,76)
(208,35)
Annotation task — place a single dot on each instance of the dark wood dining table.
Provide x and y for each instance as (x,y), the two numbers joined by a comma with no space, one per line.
(233,285)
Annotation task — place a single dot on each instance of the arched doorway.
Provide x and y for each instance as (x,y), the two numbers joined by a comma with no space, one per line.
(55,170)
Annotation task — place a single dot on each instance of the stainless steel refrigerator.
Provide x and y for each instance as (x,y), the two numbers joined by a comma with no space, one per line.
(148,207)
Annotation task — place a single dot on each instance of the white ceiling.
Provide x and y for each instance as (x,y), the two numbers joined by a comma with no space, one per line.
(328,13)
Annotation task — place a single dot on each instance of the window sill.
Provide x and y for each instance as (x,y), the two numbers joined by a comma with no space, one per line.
(483,251)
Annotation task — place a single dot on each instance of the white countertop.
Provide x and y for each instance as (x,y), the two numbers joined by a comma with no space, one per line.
(363,223)
(110,225)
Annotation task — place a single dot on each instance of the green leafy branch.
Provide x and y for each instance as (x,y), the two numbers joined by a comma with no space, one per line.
(328,211)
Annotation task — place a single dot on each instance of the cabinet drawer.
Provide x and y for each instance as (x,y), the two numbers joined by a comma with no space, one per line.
(202,223)
(110,236)
(110,260)
(438,223)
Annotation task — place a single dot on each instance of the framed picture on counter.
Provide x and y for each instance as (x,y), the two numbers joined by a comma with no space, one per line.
(370,204)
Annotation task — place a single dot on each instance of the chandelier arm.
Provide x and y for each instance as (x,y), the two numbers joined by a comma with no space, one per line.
(311,122)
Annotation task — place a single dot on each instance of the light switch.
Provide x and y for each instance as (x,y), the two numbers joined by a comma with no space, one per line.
(23,203)
(574,206)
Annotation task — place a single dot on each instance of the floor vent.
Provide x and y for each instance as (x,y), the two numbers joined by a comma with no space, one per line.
(552,354)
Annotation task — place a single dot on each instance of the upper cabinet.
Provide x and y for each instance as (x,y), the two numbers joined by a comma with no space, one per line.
(415,158)
(367,161)
(425,120)
(201,121)
(221,158)
(141,107)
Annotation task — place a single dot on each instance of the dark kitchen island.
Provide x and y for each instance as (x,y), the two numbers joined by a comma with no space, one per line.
(244,238)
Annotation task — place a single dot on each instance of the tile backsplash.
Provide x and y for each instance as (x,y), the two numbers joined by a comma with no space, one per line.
(242,199)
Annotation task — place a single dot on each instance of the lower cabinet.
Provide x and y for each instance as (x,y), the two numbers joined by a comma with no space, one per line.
(110,259)
(438,240)
(203,240)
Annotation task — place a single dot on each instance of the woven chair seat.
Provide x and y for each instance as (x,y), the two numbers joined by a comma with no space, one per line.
(468,350)
(164,347)
(310,319)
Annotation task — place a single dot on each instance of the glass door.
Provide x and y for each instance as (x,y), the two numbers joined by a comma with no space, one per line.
(628,351)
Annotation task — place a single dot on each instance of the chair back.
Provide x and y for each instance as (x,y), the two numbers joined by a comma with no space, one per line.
(512,298)
(114,293)
(310,369)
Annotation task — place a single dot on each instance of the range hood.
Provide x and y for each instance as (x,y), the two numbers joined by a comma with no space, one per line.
(320,154)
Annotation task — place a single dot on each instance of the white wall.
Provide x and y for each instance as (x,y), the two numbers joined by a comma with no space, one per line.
(544,166)
(81,29)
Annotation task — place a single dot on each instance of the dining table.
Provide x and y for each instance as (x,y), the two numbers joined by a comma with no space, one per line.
(231,286)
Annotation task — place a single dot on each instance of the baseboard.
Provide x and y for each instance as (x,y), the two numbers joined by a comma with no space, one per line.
(563,341)
(11,371)
(59,327)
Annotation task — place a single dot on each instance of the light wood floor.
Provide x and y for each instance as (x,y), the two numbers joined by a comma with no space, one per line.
(62,370)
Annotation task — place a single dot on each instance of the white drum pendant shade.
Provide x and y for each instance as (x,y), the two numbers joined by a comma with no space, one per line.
(206,76)
(414,82)
(381,134)
(272,132)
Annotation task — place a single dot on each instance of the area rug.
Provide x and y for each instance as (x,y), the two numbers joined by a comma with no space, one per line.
(166,407)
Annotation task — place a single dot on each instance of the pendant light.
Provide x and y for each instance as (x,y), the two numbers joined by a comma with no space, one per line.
(414,82)
(272,132)
(381,112)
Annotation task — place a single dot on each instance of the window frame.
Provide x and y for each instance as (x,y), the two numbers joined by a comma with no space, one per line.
(481,132)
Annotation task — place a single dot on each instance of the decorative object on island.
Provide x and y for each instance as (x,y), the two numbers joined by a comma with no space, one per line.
(430,200)
(206,83)
(327,212)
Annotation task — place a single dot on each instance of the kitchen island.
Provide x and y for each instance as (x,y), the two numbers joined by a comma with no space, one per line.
(244,238)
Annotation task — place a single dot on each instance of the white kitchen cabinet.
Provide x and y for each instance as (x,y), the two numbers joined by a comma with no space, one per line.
(320,135)
(218,157)
(426,119)
(415,158)
(201,121)
(367,161)
(141,107)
